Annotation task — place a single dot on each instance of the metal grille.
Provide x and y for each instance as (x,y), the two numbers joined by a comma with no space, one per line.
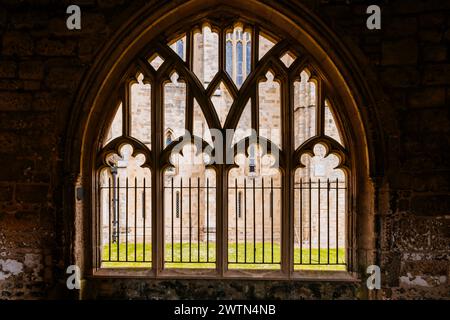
(319,229)
(126,222)
(190,216)
(254,217)
(254,222)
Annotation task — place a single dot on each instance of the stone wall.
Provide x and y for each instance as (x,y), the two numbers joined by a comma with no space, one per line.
(42,65)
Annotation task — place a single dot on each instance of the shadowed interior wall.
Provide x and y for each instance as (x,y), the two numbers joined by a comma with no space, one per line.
(42,66)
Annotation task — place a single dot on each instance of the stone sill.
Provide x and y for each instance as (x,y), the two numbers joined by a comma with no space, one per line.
(300,276)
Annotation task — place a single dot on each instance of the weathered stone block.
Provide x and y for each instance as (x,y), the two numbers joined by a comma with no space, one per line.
(400,52)
(88,47)
(65,78)
(17,167)
(31,85)
(110,3)
(418,233)
(17,43)
(25,121)
(420,181)
(30,20)
(7,69)
(401,77)
(9,141)
(432,19)
(32,193)
(428,97)
(93,23)
(425,121)
(425,267)
(47,47)
(406,7)
(404,26)
(430,35)
(447,35)
(431,205)
(15,101)
(6,192)
(52,100)
(33,70)
(438,74)
(3,19)
(434,53)
(11,84)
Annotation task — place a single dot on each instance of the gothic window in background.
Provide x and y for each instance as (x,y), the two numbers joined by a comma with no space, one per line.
(229,57)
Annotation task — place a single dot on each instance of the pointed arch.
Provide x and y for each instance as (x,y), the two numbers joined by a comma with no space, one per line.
(352,98)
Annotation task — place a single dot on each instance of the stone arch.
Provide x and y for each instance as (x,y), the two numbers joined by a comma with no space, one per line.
(356,95)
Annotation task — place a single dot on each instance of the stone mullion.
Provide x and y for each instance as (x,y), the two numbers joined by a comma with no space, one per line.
(288,127)
(255,47)
(189,120)
(255,95)
(126,108)
(189,48)
(320,108)
(222,51)
(157,180)
(255,108)
(221,221)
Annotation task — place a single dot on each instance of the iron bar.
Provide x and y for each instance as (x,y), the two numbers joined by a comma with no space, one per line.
(143,223)
(328,221)
(318,222)
(207,219)
(236,217)
(310,225)
(262,225)
(301,221)
(198,219)
(245,218)
(135,218)
(271,212)
(190,221)
(171,201)
(126,220)
(337,221)
(254,222)
(118,219)
(109,222)
(181,219)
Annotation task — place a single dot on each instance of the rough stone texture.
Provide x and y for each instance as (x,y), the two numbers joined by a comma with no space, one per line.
(223,289)
(42,65)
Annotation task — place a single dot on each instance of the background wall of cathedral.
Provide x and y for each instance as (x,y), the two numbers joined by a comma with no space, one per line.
(205,60)
(42,65)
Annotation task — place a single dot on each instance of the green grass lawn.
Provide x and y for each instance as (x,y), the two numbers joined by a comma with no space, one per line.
(254,254)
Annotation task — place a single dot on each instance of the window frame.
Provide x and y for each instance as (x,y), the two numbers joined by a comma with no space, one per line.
(157,158)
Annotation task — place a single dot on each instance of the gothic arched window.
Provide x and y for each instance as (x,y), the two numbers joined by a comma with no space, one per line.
(248,54)
(224,153)
(229,57)
(180,48)
(240,63)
